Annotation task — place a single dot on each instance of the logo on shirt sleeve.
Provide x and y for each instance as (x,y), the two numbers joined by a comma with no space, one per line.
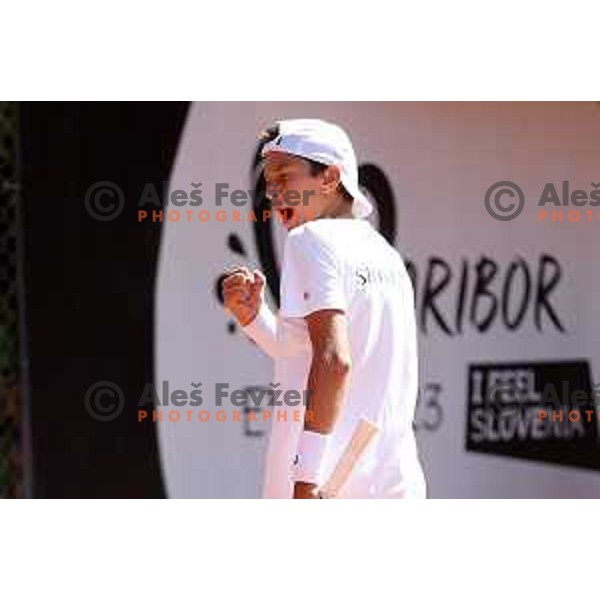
(376,276)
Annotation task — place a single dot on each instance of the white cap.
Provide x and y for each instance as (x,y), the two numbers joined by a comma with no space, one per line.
(325,143)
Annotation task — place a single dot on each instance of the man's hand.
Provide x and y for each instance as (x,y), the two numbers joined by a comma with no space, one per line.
(305,491)
(243,294)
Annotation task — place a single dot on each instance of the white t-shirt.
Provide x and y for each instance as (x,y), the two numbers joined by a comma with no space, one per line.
(346,264)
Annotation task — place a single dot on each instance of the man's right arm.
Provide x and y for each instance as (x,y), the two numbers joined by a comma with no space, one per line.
(263,330)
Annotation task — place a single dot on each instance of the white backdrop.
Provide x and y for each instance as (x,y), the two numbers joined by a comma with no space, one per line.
(439,159)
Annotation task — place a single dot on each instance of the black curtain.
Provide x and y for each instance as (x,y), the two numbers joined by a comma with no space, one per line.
(88,292)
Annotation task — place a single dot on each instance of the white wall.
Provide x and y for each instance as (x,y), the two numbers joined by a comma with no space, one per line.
(440,160)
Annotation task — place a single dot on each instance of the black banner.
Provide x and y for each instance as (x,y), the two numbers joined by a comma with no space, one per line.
(543,411)
(88,291)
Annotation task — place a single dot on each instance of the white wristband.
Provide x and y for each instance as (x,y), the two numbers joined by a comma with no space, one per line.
(308,465)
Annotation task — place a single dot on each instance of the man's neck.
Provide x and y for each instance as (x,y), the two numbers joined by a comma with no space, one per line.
(343,210)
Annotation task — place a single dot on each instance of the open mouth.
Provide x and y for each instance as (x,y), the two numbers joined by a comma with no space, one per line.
(286,214)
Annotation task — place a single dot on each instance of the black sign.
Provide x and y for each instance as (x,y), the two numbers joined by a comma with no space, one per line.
(543,411)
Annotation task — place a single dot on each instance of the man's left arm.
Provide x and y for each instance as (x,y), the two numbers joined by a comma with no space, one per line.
(327,380)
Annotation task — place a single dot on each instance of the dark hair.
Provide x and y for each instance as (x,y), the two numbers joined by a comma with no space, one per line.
(268,135)
(316,168)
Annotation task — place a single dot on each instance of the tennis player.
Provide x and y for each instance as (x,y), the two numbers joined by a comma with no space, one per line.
(345,332)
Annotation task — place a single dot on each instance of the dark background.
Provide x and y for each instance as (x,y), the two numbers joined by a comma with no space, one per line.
(87,292)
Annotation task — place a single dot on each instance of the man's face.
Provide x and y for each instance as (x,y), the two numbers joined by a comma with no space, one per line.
(295,194)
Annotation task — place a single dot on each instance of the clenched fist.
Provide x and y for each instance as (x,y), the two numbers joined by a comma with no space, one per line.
(243,294)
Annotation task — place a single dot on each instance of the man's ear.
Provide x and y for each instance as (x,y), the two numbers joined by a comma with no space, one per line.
(331,179)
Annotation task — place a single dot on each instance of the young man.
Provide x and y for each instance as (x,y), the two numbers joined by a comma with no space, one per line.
(346,326)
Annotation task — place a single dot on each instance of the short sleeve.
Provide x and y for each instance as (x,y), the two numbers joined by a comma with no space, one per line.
(311,278)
